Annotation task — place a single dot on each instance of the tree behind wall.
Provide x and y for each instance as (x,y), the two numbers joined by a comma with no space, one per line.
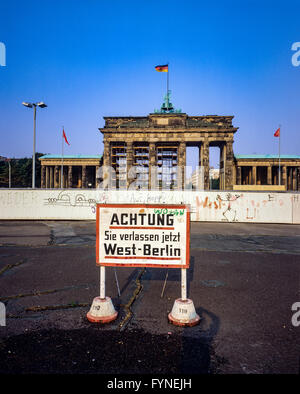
(21,172)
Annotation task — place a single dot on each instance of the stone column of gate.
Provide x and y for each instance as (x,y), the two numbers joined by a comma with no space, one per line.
(43,177)
(205,161)
(129,163)
(51,177)
(181,162)
(106,165)
(289,174)
(298,178)
(283,177)
(254,175)
(200,175)
(97,181)
(294,178)
(269,175)
(239,175)
(83,183)
(70,176)
(224,164)
(56,177)
(290,178)
(222,161)
(47,177)
(233,175)
(228,166)
(152,166)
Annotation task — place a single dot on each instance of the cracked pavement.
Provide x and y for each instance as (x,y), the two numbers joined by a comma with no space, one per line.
(243,280)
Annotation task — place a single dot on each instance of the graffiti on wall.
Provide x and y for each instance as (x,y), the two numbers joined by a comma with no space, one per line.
(225,204)
(65,199)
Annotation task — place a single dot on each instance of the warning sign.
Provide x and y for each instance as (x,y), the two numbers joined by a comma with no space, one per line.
(143,235)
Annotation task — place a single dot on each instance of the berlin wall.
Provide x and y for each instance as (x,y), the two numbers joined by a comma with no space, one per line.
(211,206)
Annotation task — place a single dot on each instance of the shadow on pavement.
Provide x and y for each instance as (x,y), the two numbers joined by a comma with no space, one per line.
(198,355)
(96,351)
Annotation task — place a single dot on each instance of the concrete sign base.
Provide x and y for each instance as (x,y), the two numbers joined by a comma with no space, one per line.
(102,311)
(183,313)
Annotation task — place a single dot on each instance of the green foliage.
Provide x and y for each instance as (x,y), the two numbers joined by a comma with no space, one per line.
(21,172)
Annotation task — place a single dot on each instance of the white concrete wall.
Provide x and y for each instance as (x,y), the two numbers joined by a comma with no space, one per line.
(77,204)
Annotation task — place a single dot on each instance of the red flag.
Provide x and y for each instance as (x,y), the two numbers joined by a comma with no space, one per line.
(277,133)
(65,137)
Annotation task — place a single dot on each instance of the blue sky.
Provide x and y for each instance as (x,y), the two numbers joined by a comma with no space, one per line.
(93,58)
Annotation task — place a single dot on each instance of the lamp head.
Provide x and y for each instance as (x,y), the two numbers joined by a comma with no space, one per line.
(29,105)
(41,104)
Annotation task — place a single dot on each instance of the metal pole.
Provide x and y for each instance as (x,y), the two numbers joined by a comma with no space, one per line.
(164,286)
(168,88)
(183,284)
(102,282)
(62,161)
(224,167)
(168,80)
(34,137)
(117,282)
(279,173)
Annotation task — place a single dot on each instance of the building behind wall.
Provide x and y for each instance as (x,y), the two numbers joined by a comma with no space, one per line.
(261,172)
(76,171)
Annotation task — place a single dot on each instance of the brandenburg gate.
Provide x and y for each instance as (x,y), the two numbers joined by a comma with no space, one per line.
(151,150)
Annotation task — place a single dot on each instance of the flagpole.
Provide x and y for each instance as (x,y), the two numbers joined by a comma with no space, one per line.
(168,87)
(279,172)
(62,161)
(168,79)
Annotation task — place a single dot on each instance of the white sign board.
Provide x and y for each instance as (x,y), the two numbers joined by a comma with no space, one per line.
(143,235)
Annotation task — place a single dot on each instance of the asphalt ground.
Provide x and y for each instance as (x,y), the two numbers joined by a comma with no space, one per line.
(243,280)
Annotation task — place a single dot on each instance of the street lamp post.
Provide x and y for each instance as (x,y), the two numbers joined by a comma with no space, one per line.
(34,105)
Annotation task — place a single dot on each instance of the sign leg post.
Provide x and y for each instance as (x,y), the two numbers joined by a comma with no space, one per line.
(102,309)
(102,282)
(183,285)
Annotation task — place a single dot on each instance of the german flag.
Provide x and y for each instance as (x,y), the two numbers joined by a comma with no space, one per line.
(164,68)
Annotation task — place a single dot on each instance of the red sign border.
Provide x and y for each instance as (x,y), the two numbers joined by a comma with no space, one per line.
(169,206)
